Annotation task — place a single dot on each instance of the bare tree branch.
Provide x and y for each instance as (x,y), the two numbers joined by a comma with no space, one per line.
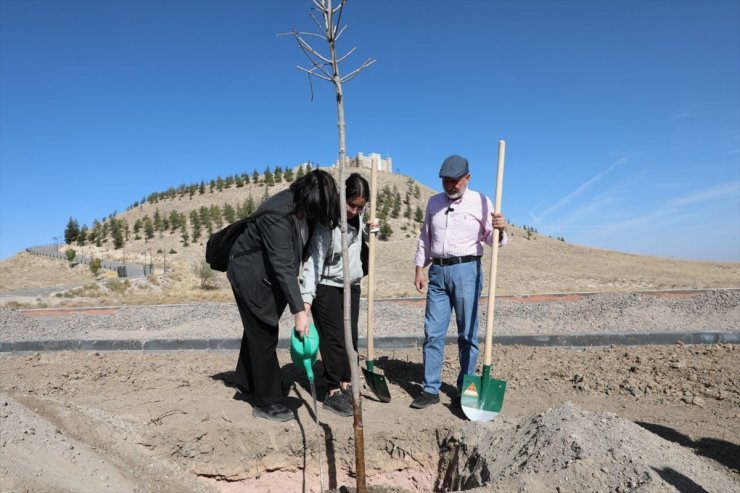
(307,47)
(311,72)
(318,24)
(319,6)
(340,33)
(346,55)
(339,9)
(354,73)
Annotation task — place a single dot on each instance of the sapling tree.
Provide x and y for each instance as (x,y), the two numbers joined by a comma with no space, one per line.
(325,66)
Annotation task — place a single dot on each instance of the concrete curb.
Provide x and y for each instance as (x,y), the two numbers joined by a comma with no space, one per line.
(568,341)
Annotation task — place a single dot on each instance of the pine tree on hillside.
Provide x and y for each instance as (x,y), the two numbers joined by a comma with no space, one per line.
(268,177)
(82,238)
(216,216)
(148,229)
(72,231)
(174,221)
(219,187)
(195,225)
(308,168)
(245,177)
(249,206)
(138,224)
(229,214)
(278,174)
(117,234)
(385,231)
(255,177)
(158,225)
(185,237)
(205,219)
(202,188)
(299,174)
(419,215)
(289,175)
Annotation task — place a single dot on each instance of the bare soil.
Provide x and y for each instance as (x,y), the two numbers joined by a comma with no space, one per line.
(612,419)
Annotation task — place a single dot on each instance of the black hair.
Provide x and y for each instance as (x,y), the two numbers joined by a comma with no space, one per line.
(356,186)
(315,194)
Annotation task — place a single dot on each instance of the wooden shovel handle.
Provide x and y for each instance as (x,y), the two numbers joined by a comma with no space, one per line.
(371,262)
(494,254)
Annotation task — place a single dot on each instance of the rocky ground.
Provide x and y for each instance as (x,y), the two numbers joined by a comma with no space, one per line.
(619,418)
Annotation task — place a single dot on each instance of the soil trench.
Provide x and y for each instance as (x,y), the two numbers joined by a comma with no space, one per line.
(658,418)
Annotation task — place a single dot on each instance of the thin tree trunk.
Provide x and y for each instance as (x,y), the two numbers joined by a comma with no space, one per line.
(348,344)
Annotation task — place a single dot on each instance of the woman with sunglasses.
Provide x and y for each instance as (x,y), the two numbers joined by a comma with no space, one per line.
(323,292)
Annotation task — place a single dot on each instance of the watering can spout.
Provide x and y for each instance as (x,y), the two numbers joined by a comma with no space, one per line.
(303,350)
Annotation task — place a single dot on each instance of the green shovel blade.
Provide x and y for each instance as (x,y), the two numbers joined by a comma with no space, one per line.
(376,381)
(482,397)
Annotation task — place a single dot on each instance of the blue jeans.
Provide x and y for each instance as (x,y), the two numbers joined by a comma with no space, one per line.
(451,286)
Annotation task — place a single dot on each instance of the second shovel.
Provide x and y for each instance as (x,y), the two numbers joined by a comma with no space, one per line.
(374,378)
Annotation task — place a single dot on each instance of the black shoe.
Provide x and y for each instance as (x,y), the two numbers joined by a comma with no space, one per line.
(273,412)
(425,399)
(338,403)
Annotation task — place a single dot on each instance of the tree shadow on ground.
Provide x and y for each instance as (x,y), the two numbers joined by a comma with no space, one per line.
(726,453)
(682,483)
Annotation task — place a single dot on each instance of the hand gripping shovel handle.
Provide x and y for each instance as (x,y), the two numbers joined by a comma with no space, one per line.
(494,255)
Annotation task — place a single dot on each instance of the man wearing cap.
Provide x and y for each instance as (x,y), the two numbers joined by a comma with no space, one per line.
(457,223)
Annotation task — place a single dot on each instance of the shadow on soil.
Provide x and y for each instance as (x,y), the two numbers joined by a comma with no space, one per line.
(679,481)
(409,376)
(726,453)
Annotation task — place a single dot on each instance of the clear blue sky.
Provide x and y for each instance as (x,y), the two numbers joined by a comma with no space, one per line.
(622,118)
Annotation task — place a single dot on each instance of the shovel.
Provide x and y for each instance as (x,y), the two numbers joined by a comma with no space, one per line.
(303,353)
(374,377)
(483,396)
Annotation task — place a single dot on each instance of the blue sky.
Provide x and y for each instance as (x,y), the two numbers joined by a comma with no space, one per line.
(622,118)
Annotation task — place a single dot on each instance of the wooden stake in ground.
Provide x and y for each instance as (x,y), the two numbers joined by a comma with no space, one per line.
(327,68)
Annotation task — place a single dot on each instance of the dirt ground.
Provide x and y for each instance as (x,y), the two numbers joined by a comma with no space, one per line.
(646,418)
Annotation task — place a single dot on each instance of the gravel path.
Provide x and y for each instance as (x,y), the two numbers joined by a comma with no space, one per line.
(690,311)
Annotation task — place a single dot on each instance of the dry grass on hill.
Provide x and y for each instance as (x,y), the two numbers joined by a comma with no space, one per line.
(536,265)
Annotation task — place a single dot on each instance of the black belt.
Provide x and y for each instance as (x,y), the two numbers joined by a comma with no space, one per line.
(455,260)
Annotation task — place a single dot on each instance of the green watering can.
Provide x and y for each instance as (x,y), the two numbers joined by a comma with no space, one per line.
(303,351)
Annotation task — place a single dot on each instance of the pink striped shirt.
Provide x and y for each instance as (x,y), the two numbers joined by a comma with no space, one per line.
(455,228)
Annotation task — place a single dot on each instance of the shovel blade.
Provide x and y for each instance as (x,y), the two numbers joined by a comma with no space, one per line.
(482,397)
(377,382)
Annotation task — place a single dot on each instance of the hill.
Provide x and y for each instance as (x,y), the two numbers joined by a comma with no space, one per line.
(531,263)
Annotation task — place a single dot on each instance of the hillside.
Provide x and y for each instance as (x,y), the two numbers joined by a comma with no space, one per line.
(531,263)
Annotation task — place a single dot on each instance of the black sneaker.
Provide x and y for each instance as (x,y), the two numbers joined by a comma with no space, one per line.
(338,403)
(273,412)
(425,399)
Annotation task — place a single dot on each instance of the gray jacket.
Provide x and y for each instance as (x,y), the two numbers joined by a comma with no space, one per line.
(324,264)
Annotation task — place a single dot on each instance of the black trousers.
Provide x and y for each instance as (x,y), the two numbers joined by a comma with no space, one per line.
(328,316)
(258,370)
